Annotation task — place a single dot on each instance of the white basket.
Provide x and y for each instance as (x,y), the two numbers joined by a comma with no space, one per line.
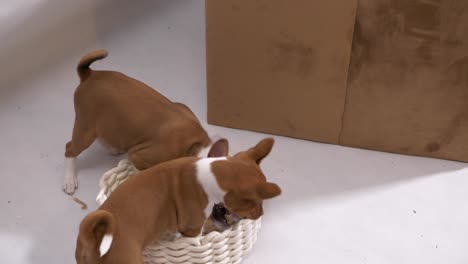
(214,248)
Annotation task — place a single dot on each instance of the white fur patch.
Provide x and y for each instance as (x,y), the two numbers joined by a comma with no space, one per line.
(204,152)
(105,244)
(70,182)
(207,180)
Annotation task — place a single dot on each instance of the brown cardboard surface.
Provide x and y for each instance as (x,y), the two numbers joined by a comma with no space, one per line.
(284,67)
(408,83)
(279,66)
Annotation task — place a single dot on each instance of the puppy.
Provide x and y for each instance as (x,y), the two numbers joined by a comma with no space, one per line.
(130,117)
(174,196)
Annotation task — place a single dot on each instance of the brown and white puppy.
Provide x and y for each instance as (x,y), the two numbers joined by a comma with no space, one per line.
(129,116)
(174,196)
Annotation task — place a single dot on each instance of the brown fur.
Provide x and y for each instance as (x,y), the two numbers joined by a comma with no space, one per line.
(244,182)
(168,197)
(130,116)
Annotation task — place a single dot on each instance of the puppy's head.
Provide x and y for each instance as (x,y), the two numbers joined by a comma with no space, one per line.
(95,238)
(243,181)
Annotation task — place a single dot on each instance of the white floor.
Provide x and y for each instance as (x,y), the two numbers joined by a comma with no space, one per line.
(340,205)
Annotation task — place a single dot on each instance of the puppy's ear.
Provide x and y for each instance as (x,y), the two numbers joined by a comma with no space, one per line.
(261,150)
(219,149)
(97,231)
(268,190)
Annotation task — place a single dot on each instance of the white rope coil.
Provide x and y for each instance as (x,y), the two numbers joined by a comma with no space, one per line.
(227,247)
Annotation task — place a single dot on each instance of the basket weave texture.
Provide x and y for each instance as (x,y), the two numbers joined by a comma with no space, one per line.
(227,247)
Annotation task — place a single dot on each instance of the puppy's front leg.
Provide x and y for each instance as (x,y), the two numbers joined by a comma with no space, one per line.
(190,221)
(70,182)
(192,225)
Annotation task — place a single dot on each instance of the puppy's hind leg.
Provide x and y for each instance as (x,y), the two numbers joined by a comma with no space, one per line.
(147,157)
(82,138)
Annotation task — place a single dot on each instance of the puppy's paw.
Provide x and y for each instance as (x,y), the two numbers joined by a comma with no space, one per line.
(70,184)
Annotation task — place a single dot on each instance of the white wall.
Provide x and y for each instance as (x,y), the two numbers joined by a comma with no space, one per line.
(145,39)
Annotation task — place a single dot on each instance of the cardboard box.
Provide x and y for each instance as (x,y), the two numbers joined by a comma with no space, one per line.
(393,77)
(408,82)
(279,66)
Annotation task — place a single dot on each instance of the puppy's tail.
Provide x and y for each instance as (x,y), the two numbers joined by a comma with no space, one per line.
(83,66)
(97,231)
